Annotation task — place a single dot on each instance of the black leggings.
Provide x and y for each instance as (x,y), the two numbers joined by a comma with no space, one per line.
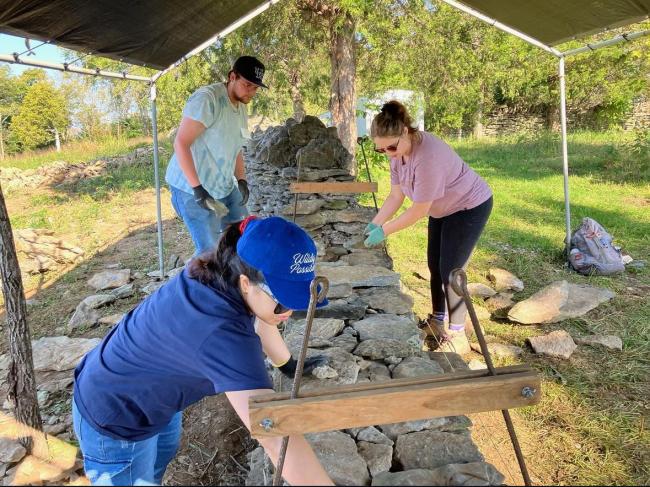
(451,241)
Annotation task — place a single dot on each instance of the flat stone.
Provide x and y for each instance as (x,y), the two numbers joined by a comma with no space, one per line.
(388,300)
(344,363)
(354,228)
(379,457)
(474,473)
(477,289)
(378,372)
(304,207)
(416,367)
(607,341)
(385,326)
(345,341)
(449,361)
(123,292)
(431,449)
(324,372)
(260,468)
(11,451)
(500,349)
(110,319)
(499,304)
(338,291)
(360,275)
(83,316)
(395,430)
(321,327)
(371,258)
(373,435)
(340,458)
(152,287)
(476,364)
(312,222)
(559,301)
(98,300)
(376,349)
(339,309)
(504,280)
(557,344)
(110,279)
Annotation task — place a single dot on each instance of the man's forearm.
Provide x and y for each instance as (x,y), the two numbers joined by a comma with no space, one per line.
(186,163)
(240,170)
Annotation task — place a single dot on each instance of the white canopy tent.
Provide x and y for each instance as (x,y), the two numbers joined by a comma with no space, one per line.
(177,31)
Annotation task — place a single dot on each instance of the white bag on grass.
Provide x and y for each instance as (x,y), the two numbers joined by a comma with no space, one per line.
(592,251)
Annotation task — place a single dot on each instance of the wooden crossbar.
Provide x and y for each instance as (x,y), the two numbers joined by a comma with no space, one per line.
(334,188)
(394,401)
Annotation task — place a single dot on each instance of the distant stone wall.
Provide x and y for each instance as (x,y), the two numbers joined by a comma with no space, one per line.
(505,120)
(640,115)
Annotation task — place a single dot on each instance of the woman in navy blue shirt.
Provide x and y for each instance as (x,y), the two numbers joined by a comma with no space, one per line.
(192,338)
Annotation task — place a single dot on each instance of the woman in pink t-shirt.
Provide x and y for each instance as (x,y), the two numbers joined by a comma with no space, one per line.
(443,187)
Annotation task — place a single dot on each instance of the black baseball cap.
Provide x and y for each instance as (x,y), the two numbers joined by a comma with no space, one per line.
(251,69)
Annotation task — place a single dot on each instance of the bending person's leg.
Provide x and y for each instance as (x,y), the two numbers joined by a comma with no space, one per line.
(460,233)
(301,466)
(434,323)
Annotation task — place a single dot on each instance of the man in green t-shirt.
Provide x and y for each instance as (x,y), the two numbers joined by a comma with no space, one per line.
(206,174)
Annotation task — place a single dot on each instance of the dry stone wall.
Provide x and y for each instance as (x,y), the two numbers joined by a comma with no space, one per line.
(368,331)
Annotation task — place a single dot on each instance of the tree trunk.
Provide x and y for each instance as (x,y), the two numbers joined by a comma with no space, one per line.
(2,139)
(478,131)
(57,140)
(296,98)
(20,377)
(343,94)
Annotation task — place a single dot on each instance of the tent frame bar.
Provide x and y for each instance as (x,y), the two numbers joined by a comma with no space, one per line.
(609,42)
(65,67)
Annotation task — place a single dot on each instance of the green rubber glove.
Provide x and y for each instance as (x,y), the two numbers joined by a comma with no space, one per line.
(375,237)
(369,228)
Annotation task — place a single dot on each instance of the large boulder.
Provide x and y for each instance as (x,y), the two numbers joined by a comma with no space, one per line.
(559,301)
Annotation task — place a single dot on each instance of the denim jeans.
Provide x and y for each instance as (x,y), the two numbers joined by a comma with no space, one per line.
(108,461)
(204,226)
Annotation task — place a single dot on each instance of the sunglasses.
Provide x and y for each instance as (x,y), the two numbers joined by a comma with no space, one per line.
(279,308)
(390,148)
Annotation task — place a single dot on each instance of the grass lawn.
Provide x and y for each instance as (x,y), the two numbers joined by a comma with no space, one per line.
(590,425)
(78,151)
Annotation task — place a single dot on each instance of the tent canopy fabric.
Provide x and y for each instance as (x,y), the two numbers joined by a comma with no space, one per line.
(556,21)
(155,33)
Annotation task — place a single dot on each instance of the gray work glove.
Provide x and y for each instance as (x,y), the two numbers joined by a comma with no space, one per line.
(242,184)
(207,202)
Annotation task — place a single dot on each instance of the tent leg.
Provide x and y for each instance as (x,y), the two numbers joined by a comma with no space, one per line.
(154,123)
(565,159)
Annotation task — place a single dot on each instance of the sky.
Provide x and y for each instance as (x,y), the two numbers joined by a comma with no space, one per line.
(10,44)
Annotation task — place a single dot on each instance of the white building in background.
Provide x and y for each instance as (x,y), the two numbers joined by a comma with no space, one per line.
(367,108)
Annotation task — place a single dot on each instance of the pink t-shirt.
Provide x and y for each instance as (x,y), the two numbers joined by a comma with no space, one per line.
(434,172)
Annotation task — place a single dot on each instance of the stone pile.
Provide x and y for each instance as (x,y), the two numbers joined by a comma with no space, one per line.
(60,172)
(368,331)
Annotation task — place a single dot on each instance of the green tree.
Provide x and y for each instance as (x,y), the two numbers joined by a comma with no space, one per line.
(43,113)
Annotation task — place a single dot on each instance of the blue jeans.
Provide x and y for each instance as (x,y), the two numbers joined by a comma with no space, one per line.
(108,461)
(204,226)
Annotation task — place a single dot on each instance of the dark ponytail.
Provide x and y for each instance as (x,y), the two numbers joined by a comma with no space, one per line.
(392,119)
(221,267)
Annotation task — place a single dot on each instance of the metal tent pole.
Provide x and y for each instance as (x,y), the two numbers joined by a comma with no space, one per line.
(154,124)
(565,159)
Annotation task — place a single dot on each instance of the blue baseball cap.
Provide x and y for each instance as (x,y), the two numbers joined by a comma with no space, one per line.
(285,255)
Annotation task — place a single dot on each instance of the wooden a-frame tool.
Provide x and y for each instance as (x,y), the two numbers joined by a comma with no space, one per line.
(393,401)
